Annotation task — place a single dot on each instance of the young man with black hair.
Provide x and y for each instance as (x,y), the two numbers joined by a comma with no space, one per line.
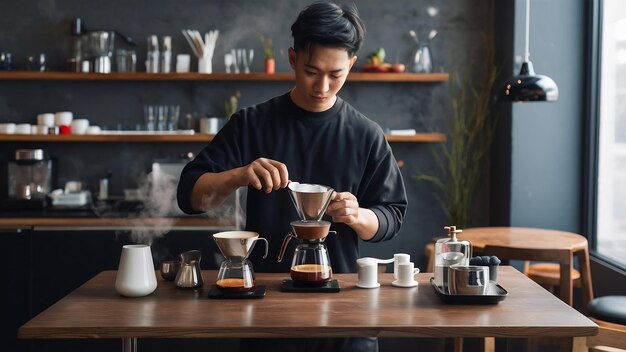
(309,135)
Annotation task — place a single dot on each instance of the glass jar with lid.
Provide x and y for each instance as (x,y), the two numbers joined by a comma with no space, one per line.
(450,251)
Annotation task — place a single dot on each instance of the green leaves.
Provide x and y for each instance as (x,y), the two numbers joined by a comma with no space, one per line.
(268,47)
(230,105)
(462,161)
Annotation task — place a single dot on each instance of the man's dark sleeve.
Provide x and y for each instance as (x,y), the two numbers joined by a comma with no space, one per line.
(382,190)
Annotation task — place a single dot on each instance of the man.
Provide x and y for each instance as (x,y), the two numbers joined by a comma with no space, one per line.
(308,135)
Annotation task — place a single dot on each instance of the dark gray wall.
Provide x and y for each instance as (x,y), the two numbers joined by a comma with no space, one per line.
(30,27)
(43,26)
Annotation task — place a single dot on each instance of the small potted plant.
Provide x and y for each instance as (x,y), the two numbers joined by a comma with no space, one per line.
(230,105)
(268,52)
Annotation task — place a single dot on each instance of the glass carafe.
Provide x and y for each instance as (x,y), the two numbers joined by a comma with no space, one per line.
(450,251)
(311,264)
(236,275)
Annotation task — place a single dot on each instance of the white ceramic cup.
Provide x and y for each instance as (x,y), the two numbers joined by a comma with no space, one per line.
(406,273)
(399,258)
(79,126)
(46,119)
(182,63)
(367,272)
(7,128)
(39,129)
(23,128)
(63,118)
(93,130)
(136,274)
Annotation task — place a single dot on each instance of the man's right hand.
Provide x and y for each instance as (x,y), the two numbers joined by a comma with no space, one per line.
(266,174)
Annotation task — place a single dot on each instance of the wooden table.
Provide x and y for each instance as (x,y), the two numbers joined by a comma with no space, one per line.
(95,310)
(521,243)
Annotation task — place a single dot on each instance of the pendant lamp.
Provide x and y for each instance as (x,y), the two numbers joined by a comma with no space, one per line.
(528,86)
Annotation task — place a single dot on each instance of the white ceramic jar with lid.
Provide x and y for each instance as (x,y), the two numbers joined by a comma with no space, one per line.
(63,118)
(45,119)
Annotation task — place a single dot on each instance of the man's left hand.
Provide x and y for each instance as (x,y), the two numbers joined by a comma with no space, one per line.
(344,207)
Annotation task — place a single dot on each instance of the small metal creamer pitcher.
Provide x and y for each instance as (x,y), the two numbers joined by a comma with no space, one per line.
(189,275)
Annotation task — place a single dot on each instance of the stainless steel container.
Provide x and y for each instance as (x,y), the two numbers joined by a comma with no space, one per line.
(30,175)
(29,154)
(468,279)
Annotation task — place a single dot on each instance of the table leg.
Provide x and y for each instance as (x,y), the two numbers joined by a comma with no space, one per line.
(585,277)
(579,344)
(458,344)
(129,344)
(489,344)
(567,286)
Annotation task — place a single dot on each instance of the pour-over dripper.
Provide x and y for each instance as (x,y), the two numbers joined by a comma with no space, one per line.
(310,200)
(305,230)
(238,243)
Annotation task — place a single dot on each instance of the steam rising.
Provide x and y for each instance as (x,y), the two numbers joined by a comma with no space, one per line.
(157,191)
(156,210)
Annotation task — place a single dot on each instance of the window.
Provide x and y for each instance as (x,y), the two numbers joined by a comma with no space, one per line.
(610,227)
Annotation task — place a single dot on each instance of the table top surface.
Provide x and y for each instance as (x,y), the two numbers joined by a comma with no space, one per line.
(523,238)
(95,310)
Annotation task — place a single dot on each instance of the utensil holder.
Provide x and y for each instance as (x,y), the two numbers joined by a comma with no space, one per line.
(205,65)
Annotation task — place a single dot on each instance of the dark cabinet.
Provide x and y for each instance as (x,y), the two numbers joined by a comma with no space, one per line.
(15,295)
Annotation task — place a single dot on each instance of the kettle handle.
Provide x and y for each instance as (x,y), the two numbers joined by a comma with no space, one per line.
(284,246)
(324,238)
(266,245)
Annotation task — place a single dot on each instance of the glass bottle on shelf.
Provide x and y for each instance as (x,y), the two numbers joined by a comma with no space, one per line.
(421,59)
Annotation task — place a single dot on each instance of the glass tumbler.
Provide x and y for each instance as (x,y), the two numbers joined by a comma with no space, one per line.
(126,60)
(172,121)
(149,117)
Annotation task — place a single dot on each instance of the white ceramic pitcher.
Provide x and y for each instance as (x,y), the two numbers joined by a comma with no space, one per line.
(136,275)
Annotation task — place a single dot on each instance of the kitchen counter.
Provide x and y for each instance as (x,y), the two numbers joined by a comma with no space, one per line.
(114,215)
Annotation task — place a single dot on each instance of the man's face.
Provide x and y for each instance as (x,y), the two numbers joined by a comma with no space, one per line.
(320,73)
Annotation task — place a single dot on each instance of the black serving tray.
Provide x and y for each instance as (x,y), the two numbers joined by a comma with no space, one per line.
(496,294)
(330,286)
(217,293)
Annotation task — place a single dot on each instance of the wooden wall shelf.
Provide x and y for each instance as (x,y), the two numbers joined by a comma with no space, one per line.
(417,138)
(86,222)
(142,76)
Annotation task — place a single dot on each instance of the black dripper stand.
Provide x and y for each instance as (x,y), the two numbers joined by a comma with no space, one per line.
(216,292)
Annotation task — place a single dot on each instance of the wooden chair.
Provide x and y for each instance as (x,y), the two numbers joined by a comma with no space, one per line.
(548,275)
(538,245)
(609,312)
(429,251)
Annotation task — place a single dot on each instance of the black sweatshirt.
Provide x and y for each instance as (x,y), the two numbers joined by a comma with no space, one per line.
(339,148)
